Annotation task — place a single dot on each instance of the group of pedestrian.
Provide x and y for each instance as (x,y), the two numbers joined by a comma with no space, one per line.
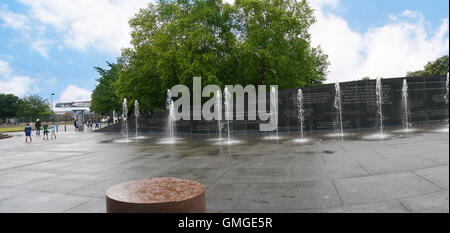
(90,123)
(46,129)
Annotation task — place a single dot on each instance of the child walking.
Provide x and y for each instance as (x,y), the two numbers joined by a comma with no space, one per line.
(28,133)
(52,131)
(45,131)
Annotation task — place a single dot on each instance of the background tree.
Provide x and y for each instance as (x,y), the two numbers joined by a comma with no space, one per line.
(275,45)
(439,67)
(9,106)
(258,42)
(104,98)
(34,107)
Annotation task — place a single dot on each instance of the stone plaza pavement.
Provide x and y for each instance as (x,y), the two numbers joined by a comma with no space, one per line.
(71,174)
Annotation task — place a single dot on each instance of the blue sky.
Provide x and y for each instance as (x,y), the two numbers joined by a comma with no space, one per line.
(51,46)
(363,14)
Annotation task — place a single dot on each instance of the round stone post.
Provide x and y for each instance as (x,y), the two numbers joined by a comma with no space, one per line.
(156,195)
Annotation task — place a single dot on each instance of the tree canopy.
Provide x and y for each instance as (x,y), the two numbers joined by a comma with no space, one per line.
(439,67)
(104,97)
(28,108)
(33,107)
(260,42)
(9,105)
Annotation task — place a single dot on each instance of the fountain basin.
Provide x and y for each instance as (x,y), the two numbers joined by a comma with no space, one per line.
(377,136)
(302,141)
(273,138)
(171,141)
(229,143)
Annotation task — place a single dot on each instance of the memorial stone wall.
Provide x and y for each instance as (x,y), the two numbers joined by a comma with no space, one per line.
(359,108)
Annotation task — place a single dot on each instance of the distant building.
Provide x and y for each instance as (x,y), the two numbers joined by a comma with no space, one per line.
(77,110)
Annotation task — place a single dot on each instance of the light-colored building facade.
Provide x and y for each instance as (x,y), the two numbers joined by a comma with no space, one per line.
(78,110)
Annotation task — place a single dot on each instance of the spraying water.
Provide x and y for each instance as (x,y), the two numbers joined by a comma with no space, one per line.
(301,112)
(405,106)
(274,102)
(379,99)
(338,106)
(171,118)
(136,115)
(171,123)
(219,112)
(125,117)
(446,104)
(274,113)
(379,93)
(228,102)
(447,95)
(446,85)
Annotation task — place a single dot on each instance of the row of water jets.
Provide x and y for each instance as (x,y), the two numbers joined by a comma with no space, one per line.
(125,119)
(379,101)
(171,122)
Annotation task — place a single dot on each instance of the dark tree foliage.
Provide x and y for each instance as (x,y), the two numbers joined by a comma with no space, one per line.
(259,42)
(33,107)
(104,97)
(9,105)
(439,67)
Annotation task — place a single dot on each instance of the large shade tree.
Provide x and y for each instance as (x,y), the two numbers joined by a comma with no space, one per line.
(438,67)
(33,107)
(104,97)
(9,106)
(258,42)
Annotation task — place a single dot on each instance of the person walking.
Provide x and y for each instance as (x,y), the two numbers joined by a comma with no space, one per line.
(28,133)
(52,131)
(96,124)
(75,124)
(45,127)
(37,125)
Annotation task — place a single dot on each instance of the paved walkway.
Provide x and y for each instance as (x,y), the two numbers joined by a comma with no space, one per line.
(71,174)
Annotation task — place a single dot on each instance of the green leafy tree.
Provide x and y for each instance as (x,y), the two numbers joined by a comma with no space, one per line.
(33,107)
(258,42)
(104,97)
(276,46)
(439,67)
(9,105)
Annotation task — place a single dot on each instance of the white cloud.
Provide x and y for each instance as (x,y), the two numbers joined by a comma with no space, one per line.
(13,20)
(74,93)
(404,44)
(319,4)
(41,46)
(100,24)
(30,32)
(14,84)
(5,69)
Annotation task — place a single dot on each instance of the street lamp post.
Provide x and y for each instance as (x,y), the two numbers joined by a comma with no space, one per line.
(51,99)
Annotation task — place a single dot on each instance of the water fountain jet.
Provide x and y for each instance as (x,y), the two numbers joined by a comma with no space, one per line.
(446,99)
(228,118)
(274,113)
(339,125)
(301,117)
(125,117)
(379,99)
(171,122)
(405,108)
(219,113)
(136,116)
